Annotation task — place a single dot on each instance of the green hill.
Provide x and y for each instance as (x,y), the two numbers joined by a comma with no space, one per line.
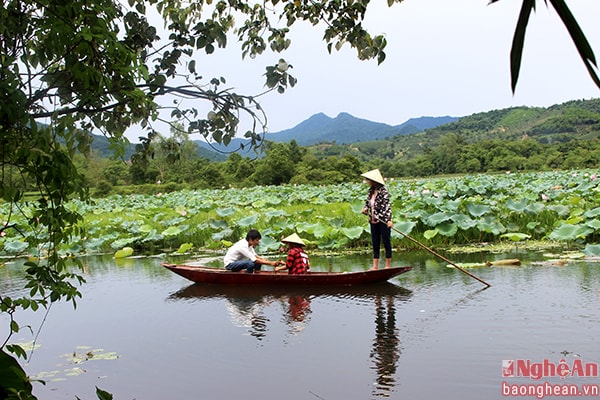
(578,119)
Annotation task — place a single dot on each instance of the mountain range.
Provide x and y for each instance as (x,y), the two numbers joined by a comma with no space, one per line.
(346,134)
(345,129)
(319,128)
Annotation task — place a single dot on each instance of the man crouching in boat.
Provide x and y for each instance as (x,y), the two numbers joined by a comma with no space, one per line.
(241,255)
(297,260)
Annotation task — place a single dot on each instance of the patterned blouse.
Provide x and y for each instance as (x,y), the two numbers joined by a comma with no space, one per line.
(297,261)
(381,210)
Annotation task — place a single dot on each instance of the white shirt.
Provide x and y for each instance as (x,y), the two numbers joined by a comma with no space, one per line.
(240,250)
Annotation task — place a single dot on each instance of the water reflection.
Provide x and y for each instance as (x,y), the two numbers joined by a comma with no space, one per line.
(246,307)
(386,345)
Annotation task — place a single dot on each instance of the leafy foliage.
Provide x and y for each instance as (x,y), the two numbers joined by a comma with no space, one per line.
(69,68)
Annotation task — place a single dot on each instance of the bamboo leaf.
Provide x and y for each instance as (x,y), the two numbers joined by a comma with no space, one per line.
(583,47)
(516,52)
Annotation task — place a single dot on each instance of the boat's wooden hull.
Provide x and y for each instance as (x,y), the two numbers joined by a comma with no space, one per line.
(221,276)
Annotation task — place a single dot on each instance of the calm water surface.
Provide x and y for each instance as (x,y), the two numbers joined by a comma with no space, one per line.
(142,332)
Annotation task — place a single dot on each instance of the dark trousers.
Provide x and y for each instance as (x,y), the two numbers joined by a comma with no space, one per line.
(381,233)
(248,265)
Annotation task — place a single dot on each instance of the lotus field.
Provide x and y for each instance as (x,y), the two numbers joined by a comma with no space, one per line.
(556,206)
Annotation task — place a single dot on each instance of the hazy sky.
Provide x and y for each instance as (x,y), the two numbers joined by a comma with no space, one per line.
(444,57)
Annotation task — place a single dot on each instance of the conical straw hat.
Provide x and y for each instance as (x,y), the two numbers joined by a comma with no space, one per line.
(375,176)
(293,238)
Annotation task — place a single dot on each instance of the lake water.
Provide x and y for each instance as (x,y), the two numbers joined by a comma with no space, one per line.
(142,332)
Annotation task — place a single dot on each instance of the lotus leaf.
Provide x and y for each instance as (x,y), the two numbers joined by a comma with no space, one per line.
(146,228)
(477,210)
(515,236)
(94,243)
(354,232)
(535,208)
(324,231)
(592,213)
(437,218)
(218,224)
(222,234)
(562,211)
(15,246)
(532,225)
(248,221)
(333,243)
(276,213)
(453,205)
(172,221)
(124,252)
(153,236)
(447,229)
(592,249)
(594,224)
(225,212)
(336,222)
(185,247)
(318,200)
(463,221)
(490,225)
(267,244)
(570,232)
(518,206)
(357,207)
(430,234)
(117,244)
(171,231)
(405,227)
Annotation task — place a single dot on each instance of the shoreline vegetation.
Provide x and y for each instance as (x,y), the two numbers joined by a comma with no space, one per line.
(469,213)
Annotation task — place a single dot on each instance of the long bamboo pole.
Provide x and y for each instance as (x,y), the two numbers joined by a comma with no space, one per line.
(441,257)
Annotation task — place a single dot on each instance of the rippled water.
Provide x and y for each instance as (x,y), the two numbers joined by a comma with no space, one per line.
(141,332)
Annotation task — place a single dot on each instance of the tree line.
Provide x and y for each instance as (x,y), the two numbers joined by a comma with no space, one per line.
(177,165)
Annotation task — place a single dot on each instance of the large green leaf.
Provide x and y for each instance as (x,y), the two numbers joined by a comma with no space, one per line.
(124,252)
(518,206)
(437,218)
(477,210)
(248,221)
(171,231)
(592,249)
(354,232)
(14,377)
(184,248)
(447,229)
(430,234)
(515,236)
(16,246)
(405,227)
(225,212)
(218,236)
(491,225)
(570,232)
(594,224)
(464,222)
(562,211)
(267,243)
(535,208)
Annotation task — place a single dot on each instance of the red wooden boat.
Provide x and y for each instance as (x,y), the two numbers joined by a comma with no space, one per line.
(221,276)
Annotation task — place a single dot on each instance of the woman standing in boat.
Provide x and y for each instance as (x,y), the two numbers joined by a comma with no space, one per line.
(297,260)
(379,210)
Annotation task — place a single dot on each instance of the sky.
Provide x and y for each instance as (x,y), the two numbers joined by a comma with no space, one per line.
(444,58)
